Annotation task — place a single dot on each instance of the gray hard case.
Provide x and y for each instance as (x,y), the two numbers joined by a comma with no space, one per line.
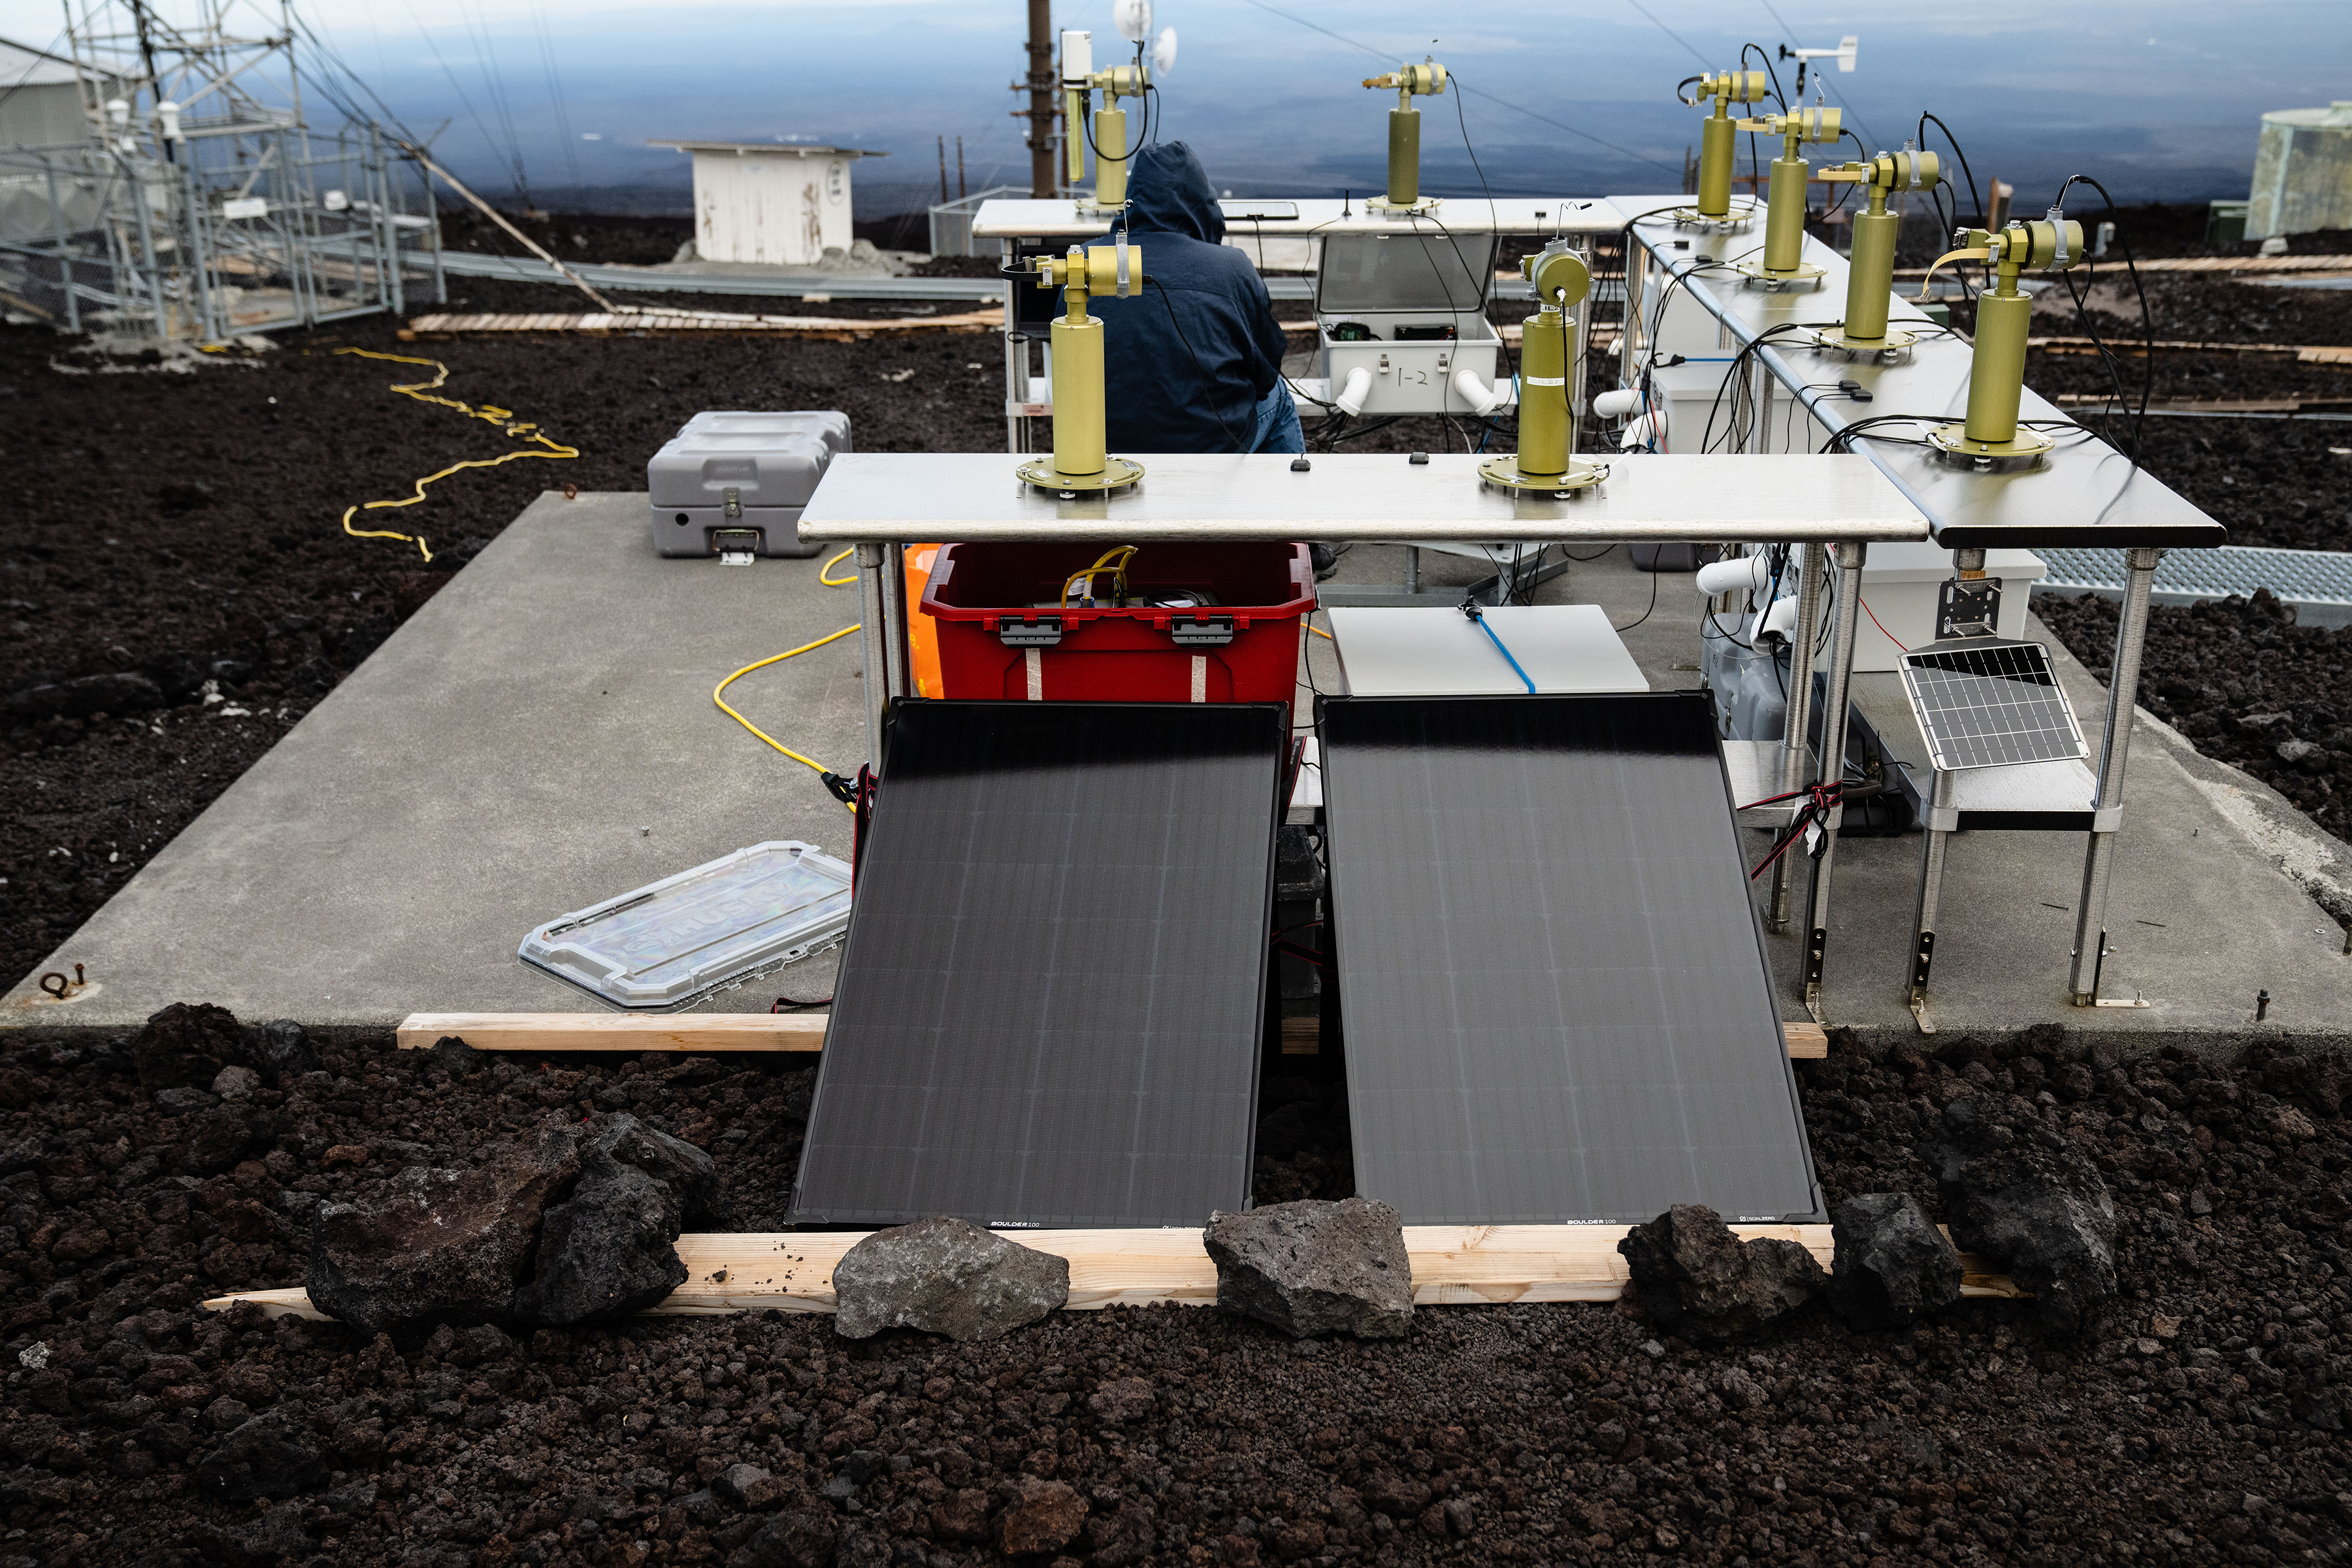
(740,470)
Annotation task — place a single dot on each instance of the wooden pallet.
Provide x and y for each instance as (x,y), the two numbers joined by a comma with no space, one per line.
(1453,1266)
(714,1033)
(2305,354)
(2213,264)
(833,329)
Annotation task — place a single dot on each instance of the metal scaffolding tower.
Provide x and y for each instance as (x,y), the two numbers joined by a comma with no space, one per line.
(202,203)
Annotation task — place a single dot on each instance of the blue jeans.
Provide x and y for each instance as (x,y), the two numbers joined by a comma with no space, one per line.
(1277,423)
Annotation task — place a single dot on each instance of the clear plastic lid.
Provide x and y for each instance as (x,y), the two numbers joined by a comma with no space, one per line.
(1420,268)
(669,943)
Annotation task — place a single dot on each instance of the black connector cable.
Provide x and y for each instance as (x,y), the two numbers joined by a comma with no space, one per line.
(2147,319)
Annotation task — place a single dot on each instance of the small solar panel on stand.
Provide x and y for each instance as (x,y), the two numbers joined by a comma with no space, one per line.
(1982,700)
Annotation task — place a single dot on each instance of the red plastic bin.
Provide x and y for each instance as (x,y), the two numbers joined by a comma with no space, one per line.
(1203,623)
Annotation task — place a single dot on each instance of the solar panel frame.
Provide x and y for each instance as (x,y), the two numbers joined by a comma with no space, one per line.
(1554,999)
(1988,702)
(1051,1004)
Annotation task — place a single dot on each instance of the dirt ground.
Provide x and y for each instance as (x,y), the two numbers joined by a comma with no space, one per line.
(2199,1422)
(173,528)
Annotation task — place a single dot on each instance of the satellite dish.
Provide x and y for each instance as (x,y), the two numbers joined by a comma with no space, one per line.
(1163,52)
(1133,20)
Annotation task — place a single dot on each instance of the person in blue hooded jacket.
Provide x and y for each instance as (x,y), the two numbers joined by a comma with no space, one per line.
(1193,364)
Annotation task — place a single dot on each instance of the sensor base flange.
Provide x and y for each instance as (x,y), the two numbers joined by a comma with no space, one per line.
(1951,445)
(1506,472)
(1732,222)
(1801,278)
(1386,208)
(1117,473)
(1895,348)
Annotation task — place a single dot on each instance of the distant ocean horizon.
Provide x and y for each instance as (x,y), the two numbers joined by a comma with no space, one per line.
(2159,100)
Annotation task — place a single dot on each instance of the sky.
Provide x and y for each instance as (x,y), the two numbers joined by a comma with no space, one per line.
(2160,99)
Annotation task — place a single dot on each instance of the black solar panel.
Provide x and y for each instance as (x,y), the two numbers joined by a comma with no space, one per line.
(1553,992)
(1050,1006)
(1988,703)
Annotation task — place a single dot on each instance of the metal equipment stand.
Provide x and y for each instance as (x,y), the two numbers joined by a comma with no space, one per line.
(1798,722)
(882,636)
(1942,816)
(2107,808)
(1831,769)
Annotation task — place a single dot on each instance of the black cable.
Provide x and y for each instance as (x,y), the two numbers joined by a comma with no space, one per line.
(1924,120)
(1644,615)
(1200,371)
(2147,319)
(1764,55)
(1847,186)
(1687,102)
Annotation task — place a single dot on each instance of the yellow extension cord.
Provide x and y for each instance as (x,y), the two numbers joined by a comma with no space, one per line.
(421,391)
(719,692)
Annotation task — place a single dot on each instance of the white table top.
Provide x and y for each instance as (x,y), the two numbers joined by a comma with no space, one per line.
(1027,218)
(909,496)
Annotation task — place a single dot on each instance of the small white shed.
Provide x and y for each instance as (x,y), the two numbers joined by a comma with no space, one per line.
(780,202)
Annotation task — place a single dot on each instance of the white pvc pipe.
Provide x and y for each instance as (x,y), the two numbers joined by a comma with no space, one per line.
(1742,573)
(1780,619)
(1618,403)
(1482,398)
(1643,431)
(1351,396)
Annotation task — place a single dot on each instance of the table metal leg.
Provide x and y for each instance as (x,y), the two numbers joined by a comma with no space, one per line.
(1759,406)
(1794,745)
(894,620)
(1412,568)
(872,619)
(1942,818)
(1831,766)
(2107,809)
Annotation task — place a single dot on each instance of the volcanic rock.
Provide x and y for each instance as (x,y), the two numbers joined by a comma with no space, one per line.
(453,1054)
(1315,1268)
(610,1249)
(1892,1266)
(688,1170)
(802,1539)
(945,1277)
(235,1081)
(2021,1193)
(1046,1518)
(748,1487)
(1700,1281)
(185,1045)
(431,1245)
(267,1457)
(280,1050)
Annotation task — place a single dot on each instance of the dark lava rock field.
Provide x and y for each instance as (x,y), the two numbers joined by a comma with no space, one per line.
(2198,1420)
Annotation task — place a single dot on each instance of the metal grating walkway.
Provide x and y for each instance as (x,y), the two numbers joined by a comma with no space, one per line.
(2317,583)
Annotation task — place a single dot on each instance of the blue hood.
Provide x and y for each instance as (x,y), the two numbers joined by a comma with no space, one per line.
(1168,191)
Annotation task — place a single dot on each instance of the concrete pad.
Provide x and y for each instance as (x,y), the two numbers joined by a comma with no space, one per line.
(539,736)
(501,757)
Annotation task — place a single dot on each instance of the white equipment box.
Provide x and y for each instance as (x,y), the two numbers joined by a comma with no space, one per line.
(1899,582)
(1444,653)
(1408,308)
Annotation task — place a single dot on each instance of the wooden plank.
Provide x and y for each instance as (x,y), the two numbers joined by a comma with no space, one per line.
(694,1033)
(714,1032)
(1453,1266)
